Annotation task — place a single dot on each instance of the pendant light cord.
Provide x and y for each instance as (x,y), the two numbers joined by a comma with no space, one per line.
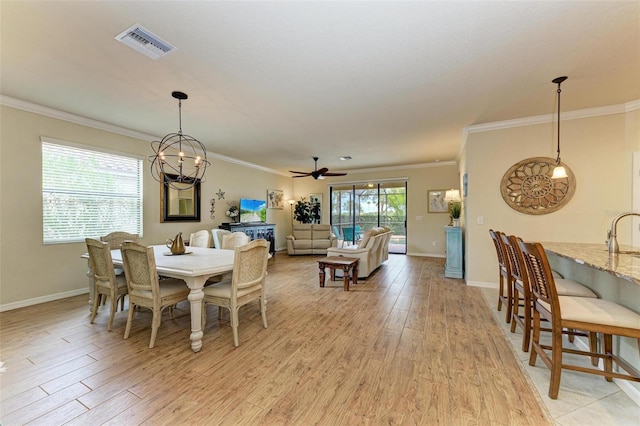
(558,156)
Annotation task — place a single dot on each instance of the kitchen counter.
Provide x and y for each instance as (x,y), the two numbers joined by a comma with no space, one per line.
(614,278)
(625,266)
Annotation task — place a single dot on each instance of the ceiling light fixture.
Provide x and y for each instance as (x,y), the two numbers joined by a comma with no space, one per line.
(179,160)
(559,171)
(345,158)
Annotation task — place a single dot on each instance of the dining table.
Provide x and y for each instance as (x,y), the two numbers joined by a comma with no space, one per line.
(194,267)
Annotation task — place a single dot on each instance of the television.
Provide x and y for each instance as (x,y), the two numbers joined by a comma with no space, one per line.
(253,210)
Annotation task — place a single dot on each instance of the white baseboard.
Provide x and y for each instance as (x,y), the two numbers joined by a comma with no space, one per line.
(438,255)
(482,284)
(43,299)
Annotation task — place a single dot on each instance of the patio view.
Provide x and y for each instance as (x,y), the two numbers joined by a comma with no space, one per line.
(359,207)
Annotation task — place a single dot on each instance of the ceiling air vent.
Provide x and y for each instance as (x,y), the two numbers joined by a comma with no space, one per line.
(144,41)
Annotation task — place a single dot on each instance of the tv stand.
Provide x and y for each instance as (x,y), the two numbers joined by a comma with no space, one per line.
(255,230)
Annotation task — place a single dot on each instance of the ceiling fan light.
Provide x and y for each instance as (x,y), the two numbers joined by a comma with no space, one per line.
(559,172)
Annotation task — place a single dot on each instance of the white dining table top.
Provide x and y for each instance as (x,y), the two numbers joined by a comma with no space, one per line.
(200,261)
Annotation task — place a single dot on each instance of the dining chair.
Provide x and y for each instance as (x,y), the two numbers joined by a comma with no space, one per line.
(115,239)
(217,236)
(234,239)
(522,291)
(145,290)
(106,282)
(200,239)
(358,232)
(247,284)
(505,284)
(575,313)
(348,236)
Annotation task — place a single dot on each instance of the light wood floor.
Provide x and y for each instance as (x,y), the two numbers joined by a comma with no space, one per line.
(406,346)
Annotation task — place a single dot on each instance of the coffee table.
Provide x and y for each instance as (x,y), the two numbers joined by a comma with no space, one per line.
(347,264)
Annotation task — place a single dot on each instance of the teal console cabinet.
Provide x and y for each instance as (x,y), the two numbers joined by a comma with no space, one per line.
(454,266)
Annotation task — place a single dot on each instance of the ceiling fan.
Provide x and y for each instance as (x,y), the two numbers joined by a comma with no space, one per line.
(317,174)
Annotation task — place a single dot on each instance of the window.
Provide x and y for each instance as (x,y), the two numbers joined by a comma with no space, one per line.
(87,193)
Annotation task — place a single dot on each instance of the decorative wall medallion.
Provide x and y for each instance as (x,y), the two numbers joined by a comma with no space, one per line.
(528,188)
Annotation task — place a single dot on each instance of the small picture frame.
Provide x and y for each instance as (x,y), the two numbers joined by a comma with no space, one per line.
(436,202)
(275,199)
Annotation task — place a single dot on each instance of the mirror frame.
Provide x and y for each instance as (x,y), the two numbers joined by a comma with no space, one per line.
(165,195)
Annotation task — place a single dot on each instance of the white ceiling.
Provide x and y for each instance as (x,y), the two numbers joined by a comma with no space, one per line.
(275,83)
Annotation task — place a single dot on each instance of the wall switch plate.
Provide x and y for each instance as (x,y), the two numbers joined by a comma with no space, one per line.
(418,218)
(480,220)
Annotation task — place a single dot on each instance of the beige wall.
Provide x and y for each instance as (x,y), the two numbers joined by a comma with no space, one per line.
(421,234)
(599,151)
(31,271)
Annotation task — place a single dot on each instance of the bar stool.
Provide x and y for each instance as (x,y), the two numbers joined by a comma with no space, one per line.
(504,271)
(578,313)
(522,290)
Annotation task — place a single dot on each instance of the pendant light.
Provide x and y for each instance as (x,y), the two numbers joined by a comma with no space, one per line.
(179,160)
(559,171)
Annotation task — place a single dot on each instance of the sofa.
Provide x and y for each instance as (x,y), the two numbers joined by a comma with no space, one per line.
(372,250)
(310,239)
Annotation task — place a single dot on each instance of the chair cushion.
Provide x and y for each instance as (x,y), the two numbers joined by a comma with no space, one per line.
(566,287)
(223,290)
(321,232)
(121,282)
(302,234)
(302,244)
(596,311)
(168,287)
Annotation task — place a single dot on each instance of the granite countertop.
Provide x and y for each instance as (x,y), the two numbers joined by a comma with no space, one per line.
(625,266)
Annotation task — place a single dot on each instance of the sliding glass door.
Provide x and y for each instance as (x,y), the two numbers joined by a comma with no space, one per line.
(355,208)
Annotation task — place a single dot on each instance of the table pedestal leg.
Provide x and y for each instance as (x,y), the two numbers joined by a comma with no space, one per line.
(321,266)
(195,298)
(345,272)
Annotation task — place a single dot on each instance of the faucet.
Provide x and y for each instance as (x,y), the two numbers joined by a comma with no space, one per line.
(613,241)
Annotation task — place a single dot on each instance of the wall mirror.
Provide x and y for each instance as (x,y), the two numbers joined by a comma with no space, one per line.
(179,205)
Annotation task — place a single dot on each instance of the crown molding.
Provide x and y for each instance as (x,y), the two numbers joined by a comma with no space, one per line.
(548,118)
(403,167)
(99,125)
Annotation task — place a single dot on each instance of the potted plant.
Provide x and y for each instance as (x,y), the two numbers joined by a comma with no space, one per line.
(306,211)
(233,212)
(456,210)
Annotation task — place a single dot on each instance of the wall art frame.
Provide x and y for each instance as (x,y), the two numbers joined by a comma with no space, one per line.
(275,199)
(436,202)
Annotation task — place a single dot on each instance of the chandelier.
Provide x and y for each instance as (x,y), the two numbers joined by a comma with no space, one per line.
(179,160)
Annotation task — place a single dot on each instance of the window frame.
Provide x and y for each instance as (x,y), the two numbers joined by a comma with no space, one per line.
(132,185)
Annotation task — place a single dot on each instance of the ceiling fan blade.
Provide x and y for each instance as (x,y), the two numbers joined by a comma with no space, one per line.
(322,171)
(302,173)
(301,176)
(334,174)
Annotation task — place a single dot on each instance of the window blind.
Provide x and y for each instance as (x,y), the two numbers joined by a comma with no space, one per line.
(87,194)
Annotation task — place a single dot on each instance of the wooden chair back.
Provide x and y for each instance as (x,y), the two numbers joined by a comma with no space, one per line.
(200,239)
(235,239)
(539,273)
(140,268)
(115,239)
(101,262)
(250,265)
